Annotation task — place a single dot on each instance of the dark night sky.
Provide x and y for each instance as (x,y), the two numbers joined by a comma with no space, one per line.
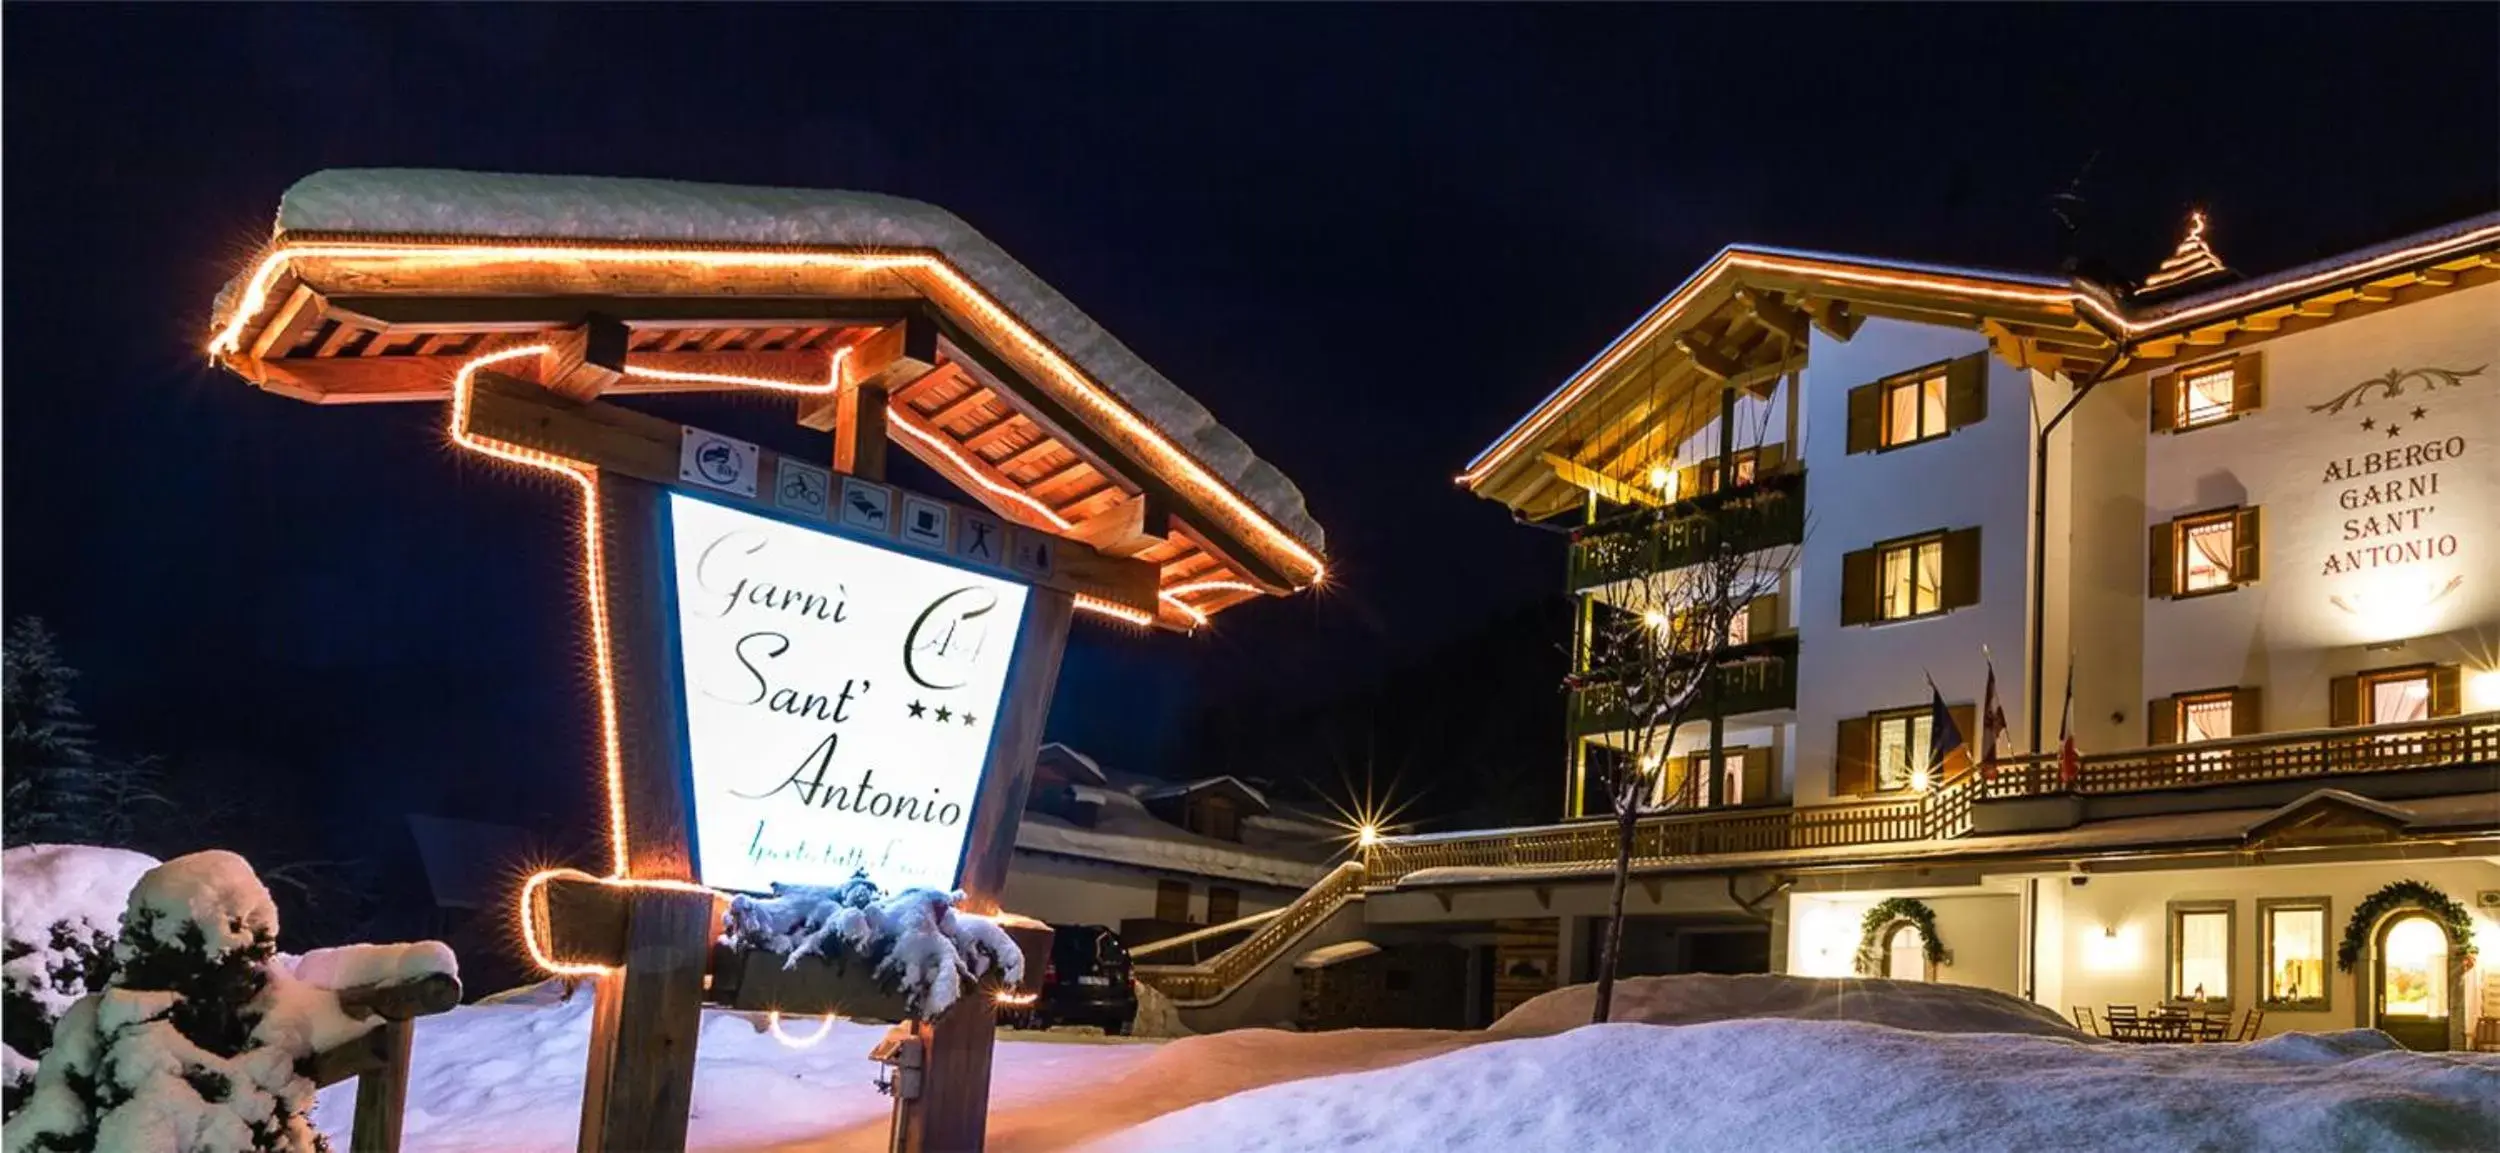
(1366,238)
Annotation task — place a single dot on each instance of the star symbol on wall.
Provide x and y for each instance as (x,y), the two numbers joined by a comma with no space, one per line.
(2368,423)
(2419,412)
(967,719)
(943,714)
(2392,429)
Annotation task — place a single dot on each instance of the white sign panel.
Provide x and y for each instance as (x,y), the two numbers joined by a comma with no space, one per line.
(839,700)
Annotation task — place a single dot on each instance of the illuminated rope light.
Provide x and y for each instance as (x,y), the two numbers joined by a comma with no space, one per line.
(1115,610)
(529,923)
(256,292)
(824,1028)
(945,447)
(1212,586)
(1014,1000)
(1195,615)
(1666,313)
(833,380)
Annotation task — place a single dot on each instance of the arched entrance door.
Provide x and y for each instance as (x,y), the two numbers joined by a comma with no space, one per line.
(1905,954)
(2411,997)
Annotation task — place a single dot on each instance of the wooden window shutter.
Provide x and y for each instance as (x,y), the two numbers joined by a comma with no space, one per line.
(1768,459)
(2161,579)
(1866,417)
(2165,406)
(2248,383)
(2161,721)
(1966,390)
(2343,702)
(1853,758)
(2244,551)
(1959,761)
(1757,777)
(2447,690)
(1172,901)
(1861,592)
(2248,712)
(1961,568)
(1762,617)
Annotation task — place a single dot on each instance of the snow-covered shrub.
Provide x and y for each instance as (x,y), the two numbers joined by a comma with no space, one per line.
(62,905)
(196,1042)
(917,941)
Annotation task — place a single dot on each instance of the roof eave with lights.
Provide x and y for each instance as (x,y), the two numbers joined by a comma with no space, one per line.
(1742,320)
(993,403)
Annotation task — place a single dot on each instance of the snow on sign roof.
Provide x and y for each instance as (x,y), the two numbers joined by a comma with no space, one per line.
(471,205)
(399,285)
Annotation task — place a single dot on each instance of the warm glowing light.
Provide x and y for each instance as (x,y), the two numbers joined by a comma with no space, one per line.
(255,298)
(528,915)
(833,380)
(945,447)
(1367,835)
(1013,1000)
(1367,821)
(2482,690)
(1654,619)
(1660,476)
(1920,779)
(1117,611)
(2112,948)
(1182,590)
(824,1027)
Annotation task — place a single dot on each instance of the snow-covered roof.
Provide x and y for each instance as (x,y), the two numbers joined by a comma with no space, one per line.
(1068,759)
(2291,279)
(1273,850)
(410,202)
(1189,788)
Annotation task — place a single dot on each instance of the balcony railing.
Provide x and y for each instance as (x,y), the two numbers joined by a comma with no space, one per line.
(1765,514)
(1945,811)
(1751,678)
(2447,741)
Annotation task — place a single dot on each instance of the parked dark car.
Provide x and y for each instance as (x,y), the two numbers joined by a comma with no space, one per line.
(1086,981)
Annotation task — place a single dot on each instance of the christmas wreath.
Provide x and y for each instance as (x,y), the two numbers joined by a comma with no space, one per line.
(2407,895)
(1880,920)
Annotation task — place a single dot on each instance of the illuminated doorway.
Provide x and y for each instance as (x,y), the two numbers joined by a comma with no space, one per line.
(1905,954)
(2411,999)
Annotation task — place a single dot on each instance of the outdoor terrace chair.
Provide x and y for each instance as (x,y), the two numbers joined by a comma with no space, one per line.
(2083,1020)
(2249,1022)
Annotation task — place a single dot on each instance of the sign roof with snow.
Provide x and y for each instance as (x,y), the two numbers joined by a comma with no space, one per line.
(381,285)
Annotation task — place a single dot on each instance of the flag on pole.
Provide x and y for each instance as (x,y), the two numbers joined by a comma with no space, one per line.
(1991,724)
(1943,735)
(2069,761)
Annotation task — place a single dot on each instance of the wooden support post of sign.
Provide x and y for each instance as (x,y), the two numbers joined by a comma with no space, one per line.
(859,431)
(953,1109)
(382,1094)
(647,1012)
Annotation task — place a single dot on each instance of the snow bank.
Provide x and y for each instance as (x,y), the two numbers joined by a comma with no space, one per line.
(348,966)
(1695,998)
(82,887)
(916,938)
(437,202)
(1845,1085)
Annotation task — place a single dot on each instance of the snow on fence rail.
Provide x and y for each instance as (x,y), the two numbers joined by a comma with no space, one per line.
(1196,935)
(1220,974)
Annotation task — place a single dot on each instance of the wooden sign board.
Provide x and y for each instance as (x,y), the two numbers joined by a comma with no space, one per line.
(654,478)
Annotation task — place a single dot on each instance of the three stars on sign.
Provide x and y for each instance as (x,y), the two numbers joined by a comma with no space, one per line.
(945,715)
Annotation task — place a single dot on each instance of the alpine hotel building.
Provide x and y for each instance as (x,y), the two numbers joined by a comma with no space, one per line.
(2251,525)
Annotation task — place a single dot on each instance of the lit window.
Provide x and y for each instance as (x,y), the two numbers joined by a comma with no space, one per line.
(1732,778)
(1913,578)
(2416,956)
(2200,953)
(1914,409)
(1739,626)
(2205,395)
(2207,549)
(2399,699)
(2205,718)
(2295,960)
(1901,749)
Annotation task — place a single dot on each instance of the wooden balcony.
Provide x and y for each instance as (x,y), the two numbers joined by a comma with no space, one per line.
(1765,514)
(2314,753)
(1947,811)
(1753,678)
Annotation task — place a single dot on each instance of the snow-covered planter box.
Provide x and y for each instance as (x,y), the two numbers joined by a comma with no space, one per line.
(850,950)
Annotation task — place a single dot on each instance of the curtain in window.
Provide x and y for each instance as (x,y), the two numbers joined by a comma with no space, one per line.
(2204,955)
(2205,397)
(2400,701)
(2209,555)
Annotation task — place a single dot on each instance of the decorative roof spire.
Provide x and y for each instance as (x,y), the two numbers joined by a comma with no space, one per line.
(2193,260)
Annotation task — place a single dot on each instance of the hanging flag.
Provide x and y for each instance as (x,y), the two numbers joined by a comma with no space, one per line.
(1943,735)
(2069,761)
(1991,724)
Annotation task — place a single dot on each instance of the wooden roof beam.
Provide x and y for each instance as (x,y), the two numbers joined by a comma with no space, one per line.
(1834,317)
(1708,358)
(1128,528)
(585,359)
(1773,314)
(1582,476)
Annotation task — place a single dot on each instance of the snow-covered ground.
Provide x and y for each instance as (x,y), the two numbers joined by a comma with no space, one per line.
(1699,1063)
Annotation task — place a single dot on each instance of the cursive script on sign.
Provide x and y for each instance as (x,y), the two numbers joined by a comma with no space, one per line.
(836,693)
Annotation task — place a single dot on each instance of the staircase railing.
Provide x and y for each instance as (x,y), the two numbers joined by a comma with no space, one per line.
(1221,974)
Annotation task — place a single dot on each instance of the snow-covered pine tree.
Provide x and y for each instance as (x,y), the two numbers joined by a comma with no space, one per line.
(171,1053)
(59,788)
